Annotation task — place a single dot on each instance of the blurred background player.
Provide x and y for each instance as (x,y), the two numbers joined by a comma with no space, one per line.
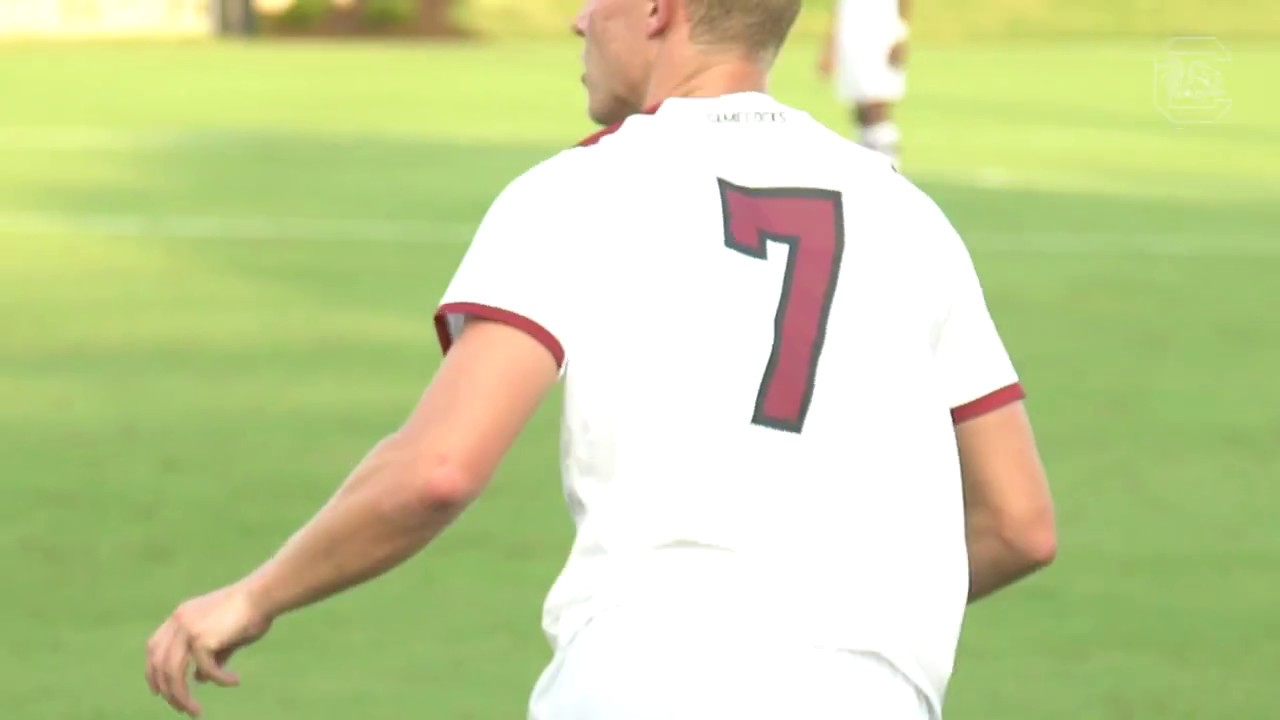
(866,51)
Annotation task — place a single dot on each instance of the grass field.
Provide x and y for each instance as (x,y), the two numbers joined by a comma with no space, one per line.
(218,269)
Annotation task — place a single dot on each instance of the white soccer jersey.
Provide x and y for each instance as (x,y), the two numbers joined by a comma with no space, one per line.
(766,335)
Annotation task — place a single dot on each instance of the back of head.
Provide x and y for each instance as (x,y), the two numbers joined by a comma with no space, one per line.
(757,27)
(638,52)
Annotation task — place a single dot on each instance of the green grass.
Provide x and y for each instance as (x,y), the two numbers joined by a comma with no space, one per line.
(219,266)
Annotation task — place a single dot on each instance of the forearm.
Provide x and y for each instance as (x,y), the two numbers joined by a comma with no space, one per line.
(376,521)
(904,10)
(998,557)
(993,565)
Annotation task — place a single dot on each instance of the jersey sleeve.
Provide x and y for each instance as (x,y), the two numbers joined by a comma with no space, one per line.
(976,371)
(517,268)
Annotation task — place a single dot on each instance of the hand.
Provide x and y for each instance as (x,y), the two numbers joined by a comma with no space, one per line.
(898,55)
(207,629)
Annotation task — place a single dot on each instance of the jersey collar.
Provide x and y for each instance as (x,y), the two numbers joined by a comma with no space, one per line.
(604,132)
(608,130)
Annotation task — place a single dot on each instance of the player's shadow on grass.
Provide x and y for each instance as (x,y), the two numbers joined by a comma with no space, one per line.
(378,222)
(276,192)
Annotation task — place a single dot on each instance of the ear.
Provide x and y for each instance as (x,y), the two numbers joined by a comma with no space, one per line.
(579,26)
(662,14)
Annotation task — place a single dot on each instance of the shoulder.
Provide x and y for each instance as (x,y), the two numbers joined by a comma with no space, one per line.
(556,204)
(549,181)
(945,254)
(545,192)
(912,208)
(577,171)
(908,221)
(582,176)
(613,153)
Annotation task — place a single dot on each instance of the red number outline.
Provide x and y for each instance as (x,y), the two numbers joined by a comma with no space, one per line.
(802,219)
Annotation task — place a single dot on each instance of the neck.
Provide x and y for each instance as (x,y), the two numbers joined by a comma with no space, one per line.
(704,76)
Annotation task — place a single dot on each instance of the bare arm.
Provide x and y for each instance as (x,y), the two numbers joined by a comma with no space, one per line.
(1009,517)
(418,480)
(407,490)
(496,323)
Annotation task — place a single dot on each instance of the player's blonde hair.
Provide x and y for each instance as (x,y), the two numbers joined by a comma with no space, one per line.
(758,26)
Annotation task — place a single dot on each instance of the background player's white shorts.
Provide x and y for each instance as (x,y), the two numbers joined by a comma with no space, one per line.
(867,31)
(629,668)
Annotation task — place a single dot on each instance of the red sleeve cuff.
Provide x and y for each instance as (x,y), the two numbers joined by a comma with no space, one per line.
(488,312)
(1006,395)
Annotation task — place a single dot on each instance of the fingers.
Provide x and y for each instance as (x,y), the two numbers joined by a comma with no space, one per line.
(203,632)
(155,651)
(173,674)
(209,667)
(220,658)
(169,656)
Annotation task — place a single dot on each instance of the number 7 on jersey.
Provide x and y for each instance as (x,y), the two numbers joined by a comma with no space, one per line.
(811,223)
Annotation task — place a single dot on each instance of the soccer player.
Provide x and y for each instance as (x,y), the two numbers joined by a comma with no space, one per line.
(866,50)
(793,443)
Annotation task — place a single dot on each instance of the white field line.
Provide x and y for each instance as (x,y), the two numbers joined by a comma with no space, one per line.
(265,228)
(103,138)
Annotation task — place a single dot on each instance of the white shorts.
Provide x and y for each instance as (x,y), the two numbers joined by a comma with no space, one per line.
(867,31)
(619,669)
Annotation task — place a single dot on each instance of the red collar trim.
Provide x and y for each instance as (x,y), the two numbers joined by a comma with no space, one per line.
(604,132)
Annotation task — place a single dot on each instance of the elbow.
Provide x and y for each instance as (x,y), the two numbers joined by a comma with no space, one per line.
(1034,540)
(439,484)
(431,483)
